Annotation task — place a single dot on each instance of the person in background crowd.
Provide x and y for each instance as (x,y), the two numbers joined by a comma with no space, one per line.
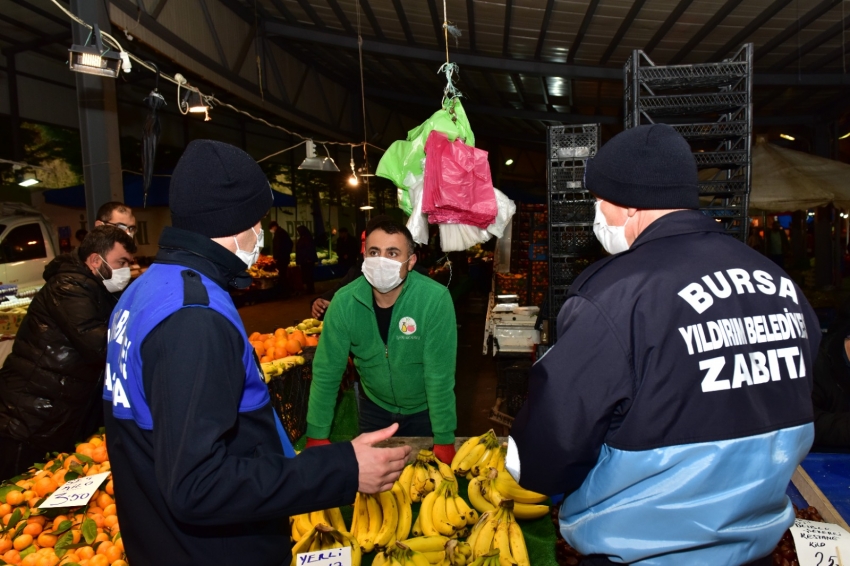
(306,258)
(406,360)
(320,304)
(754,239)
(80,235)
(347,249)
(281,249)
(831,392)
(676,403)
(50,383)
(202,463)
(777,244)
(117,214)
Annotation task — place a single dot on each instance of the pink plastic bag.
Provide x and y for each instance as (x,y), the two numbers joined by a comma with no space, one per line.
(458,186)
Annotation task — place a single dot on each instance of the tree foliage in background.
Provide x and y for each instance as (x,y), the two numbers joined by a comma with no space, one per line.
(54,148)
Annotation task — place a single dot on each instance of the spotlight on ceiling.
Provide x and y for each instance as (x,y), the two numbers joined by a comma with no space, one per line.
(28,179)
(787,137)
(314,163)
(353,181)
(509,162)
(367,207)
(94,59)
(845,136)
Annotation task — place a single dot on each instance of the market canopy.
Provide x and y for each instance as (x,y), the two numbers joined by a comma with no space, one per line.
(134,193)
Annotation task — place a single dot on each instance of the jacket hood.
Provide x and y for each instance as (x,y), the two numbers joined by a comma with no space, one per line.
(67,263)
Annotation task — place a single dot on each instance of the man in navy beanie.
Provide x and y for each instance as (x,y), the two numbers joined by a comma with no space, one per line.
(676,403)
(202,465)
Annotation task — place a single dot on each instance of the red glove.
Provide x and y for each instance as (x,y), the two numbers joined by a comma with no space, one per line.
(445,452)
(316,442)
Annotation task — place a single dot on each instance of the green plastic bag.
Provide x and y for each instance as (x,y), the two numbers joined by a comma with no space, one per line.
(405,156)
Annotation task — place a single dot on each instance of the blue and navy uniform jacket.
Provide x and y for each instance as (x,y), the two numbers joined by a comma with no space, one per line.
(676,402)
(201,463)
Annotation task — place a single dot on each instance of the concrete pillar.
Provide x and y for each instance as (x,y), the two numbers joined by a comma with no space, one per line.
(98,108)
(14,109)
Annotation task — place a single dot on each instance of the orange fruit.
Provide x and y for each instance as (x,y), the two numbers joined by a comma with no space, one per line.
(85,449)
(5,509)
(58,521)
(266,359)
(110,488)
(46,540)
(260,348)
(99,454)
(115,529)
(33,502)
(76,535)
(12,557)
(5,543)
(22,542)
(269,344)
(99,560)
(281,352)
(14,498)
(31,560)
(109,510)
(101,537)
(70,558)
(33,529)
(104,546)
(293,346)
(110,521)
(254,337)
(28,494)
(120,563)
(112,554)
(45,486)
(280,333)
(104,500)
(312,341)
(120,544)
(298,335)
(97,518)
(70,460)
(95,441)
(40,519)
(59,477)
(7,518)
(85,552)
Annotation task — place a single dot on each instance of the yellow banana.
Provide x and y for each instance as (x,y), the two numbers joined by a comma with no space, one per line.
(439,517)
(426,514)
(434,474)
(381,560)
(417,559)
(503,455)
(361,520)
(463,451)
(348,540)
(426,544)
(420,476)
(518,548)
(335,517)
(304,523)
(476,496)
(389,521)
(480,467)
(405,513)
(318,518)
(296,534)
(470,460)
(375,519)
(473,535)
(304,544)
(453,514)
(502,542)
(417,526)
(406,477)
(469,515)
(434,557)
(528,511)
(509,488)
(491,493)
(484,540)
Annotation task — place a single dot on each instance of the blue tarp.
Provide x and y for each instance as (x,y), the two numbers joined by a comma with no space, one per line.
(134,196)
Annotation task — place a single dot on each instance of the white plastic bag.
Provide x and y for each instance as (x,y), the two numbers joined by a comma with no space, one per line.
(507,209)
(418,222)
(460,237)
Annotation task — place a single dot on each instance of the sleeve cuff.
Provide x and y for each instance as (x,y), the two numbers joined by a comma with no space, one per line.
(512,459)
(444,437)
(318,432)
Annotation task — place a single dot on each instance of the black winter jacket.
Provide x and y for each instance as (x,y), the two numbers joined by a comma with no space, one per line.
(51,380)
(831,392)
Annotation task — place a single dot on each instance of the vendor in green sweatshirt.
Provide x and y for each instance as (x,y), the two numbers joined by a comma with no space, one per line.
(399,327)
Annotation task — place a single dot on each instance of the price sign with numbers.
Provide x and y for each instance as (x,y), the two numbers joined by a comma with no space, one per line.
(75,493)
(821,544)
(330,557)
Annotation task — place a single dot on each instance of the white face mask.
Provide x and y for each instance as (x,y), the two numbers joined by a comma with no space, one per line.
(118,281)
(612,238)
(250,258)
(382,273)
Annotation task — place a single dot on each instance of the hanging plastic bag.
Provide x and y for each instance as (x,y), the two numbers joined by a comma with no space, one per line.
(418,222)
(507,209)
(460,237)
(458,185)
(405,156)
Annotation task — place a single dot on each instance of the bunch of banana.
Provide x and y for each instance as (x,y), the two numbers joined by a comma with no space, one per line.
(277,367)
(380,520)
(457,554)
(323,537)
(486,493)
(433,547)
(478,454)
(444,512)
(399,554)
(301,524)
(423,475)
(498,530)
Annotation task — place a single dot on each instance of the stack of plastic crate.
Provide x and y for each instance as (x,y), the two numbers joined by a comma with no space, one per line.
(710,104)
(572,244)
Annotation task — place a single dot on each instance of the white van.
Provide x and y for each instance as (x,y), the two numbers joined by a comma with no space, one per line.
(27,245)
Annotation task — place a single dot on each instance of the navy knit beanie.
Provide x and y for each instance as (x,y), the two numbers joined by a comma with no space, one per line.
(217,190)
(649,167)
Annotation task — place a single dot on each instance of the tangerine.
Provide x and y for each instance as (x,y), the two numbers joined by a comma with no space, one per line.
(266,359)
(99,560)
(71,558)
(95,441)
(254,337)
(281,352)
(22,542)
(104,500)
(33,529)
(30,560)
(110,521)
(104,546)
(46,540)
(110,488)
(109,510)
(85,449)
(12,557)
(112,554)
(298,335)
(85,552)
(99,454)
(70,460)
(260,348)
(40,519)
(45,486)
(280,333)
(6,543)
(120,563)
(293,346)
(101,537)
(14,498)
(5,509)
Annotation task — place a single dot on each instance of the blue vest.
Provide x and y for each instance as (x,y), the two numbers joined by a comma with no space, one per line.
(149,301)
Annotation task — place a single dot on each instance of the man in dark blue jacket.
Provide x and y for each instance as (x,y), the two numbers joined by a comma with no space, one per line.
(676,404)
(201,464)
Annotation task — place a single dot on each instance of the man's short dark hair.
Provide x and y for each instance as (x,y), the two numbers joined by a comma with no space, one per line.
(104,213)
(273,224)
(81,234)
(102,239)
(391,226)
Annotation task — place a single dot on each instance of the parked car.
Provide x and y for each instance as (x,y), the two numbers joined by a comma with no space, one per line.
(27,245)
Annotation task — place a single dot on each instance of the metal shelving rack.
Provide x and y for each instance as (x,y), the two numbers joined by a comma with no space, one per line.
(572,244)
(710,104)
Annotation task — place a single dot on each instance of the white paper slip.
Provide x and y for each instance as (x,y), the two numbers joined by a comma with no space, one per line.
(821,544)
(330,557)
(75,493)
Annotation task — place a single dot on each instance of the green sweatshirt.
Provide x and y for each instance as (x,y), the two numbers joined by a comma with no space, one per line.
(413,372)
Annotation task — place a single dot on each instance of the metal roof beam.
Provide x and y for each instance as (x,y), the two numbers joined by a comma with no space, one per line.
(284,11)
(373,21)
(624,27)
(37,44)
(340,15)
(668,23)
(402,19)
(44,14)
(470,22)
(158,10)
(435,19)
(813,44)
(506,36)
(585,23)
(308,9)
(544,27)
(795,28)
(706,29)
(394,49)
(751,27)
(205,9)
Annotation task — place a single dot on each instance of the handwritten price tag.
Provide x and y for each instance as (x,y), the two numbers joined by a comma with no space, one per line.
(821,544)
(332,557)
(75,493)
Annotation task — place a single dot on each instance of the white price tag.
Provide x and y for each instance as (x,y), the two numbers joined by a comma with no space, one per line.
(331,557)
(75,493)
(821,544)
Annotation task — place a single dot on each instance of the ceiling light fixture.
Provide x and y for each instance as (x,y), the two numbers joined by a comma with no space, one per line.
(787,137)
(314,163)
(845,136)
(353,181)
(28,179)
(509,162)
(367,207)
(95,59)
